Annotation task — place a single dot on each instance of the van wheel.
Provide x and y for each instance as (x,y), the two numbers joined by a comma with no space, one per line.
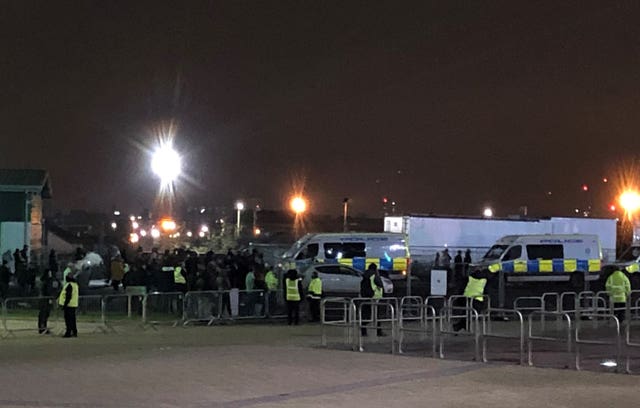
(577,281)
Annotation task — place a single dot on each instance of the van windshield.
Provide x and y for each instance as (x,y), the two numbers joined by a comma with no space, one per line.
(291,252)
(495,252)
(631,254)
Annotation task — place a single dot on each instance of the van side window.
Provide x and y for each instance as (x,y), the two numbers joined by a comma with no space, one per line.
(332,249)
(545,251)
(513,253)
(310,251)
(353,250)
(337,250)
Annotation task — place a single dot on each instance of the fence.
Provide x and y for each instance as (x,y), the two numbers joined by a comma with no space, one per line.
(29,314)
(203,307)
(164,308)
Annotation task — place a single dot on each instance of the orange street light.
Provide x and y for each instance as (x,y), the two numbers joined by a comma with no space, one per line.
(168,224)
(298,204)
(630,202)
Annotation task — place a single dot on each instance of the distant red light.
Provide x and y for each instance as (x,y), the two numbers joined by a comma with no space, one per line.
(384,200)
(612,207)
(585,187)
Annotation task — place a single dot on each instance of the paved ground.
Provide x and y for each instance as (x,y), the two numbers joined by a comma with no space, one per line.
(273,366)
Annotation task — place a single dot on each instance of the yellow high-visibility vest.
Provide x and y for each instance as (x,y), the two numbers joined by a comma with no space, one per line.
(475,288)
(271,281)
(377,291)
(618,286)
(74,295)
(177,275)
(293,294)
(315,288)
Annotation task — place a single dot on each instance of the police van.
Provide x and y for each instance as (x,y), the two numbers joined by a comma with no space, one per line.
(546,257)
(388,251)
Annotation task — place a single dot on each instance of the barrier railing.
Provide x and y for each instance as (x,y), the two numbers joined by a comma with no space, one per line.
(461,303)
(204,306)
(579,341)
(121,308)
(337,312)
(163,308)
(427,325)
(488,333)
(91,313)
(567,302)
(560,316)
(24,314)
(410,308)
(628,342)
(446,329)
(251,304)
(375,320)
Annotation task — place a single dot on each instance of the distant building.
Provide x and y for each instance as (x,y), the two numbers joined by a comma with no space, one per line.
(21,206)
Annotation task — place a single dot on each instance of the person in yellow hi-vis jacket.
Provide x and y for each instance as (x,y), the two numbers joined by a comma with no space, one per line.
(618,287)
(475,291)
(314,295)
(68,300)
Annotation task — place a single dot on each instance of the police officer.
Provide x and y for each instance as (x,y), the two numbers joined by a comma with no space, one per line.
(293,295)
(619,287)
(370,287)
(271,281)
(314,294)
(474,291)
(179,278)
(68,299)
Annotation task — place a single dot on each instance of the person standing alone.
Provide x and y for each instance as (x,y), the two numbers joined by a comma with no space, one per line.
(68,299)
(293,295)
(618,287)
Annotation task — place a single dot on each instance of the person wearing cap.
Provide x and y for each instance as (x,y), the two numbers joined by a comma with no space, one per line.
(293,294)
(68,300)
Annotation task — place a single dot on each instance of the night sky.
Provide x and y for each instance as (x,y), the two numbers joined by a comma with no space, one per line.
(442,106)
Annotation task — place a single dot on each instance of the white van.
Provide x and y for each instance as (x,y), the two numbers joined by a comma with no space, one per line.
(387,250)
(582,250)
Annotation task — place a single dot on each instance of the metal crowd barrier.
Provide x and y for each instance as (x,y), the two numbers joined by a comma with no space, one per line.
(615,342)
(375,304)
(488,333)
(91,311)
(203,306)
(120,308)
(427,324)
(163,308)
(560,316)
(468,302)
(345,313)
(446,329)
(252,304)
(22,314)
(628,342)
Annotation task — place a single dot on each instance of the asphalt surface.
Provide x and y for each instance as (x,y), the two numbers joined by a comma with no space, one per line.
(274,366)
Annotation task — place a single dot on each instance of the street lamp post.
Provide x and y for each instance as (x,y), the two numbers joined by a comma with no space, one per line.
(239,208)
(345,203)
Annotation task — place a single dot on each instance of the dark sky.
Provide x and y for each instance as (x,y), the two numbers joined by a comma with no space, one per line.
(443,106)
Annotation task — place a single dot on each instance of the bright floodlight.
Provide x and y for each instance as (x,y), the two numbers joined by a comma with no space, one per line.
(166,163)
(488,212)
(239,206)
(298,205)
(155,233)
(630,201)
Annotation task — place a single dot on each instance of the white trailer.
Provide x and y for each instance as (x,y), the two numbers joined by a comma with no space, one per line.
(429,234)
